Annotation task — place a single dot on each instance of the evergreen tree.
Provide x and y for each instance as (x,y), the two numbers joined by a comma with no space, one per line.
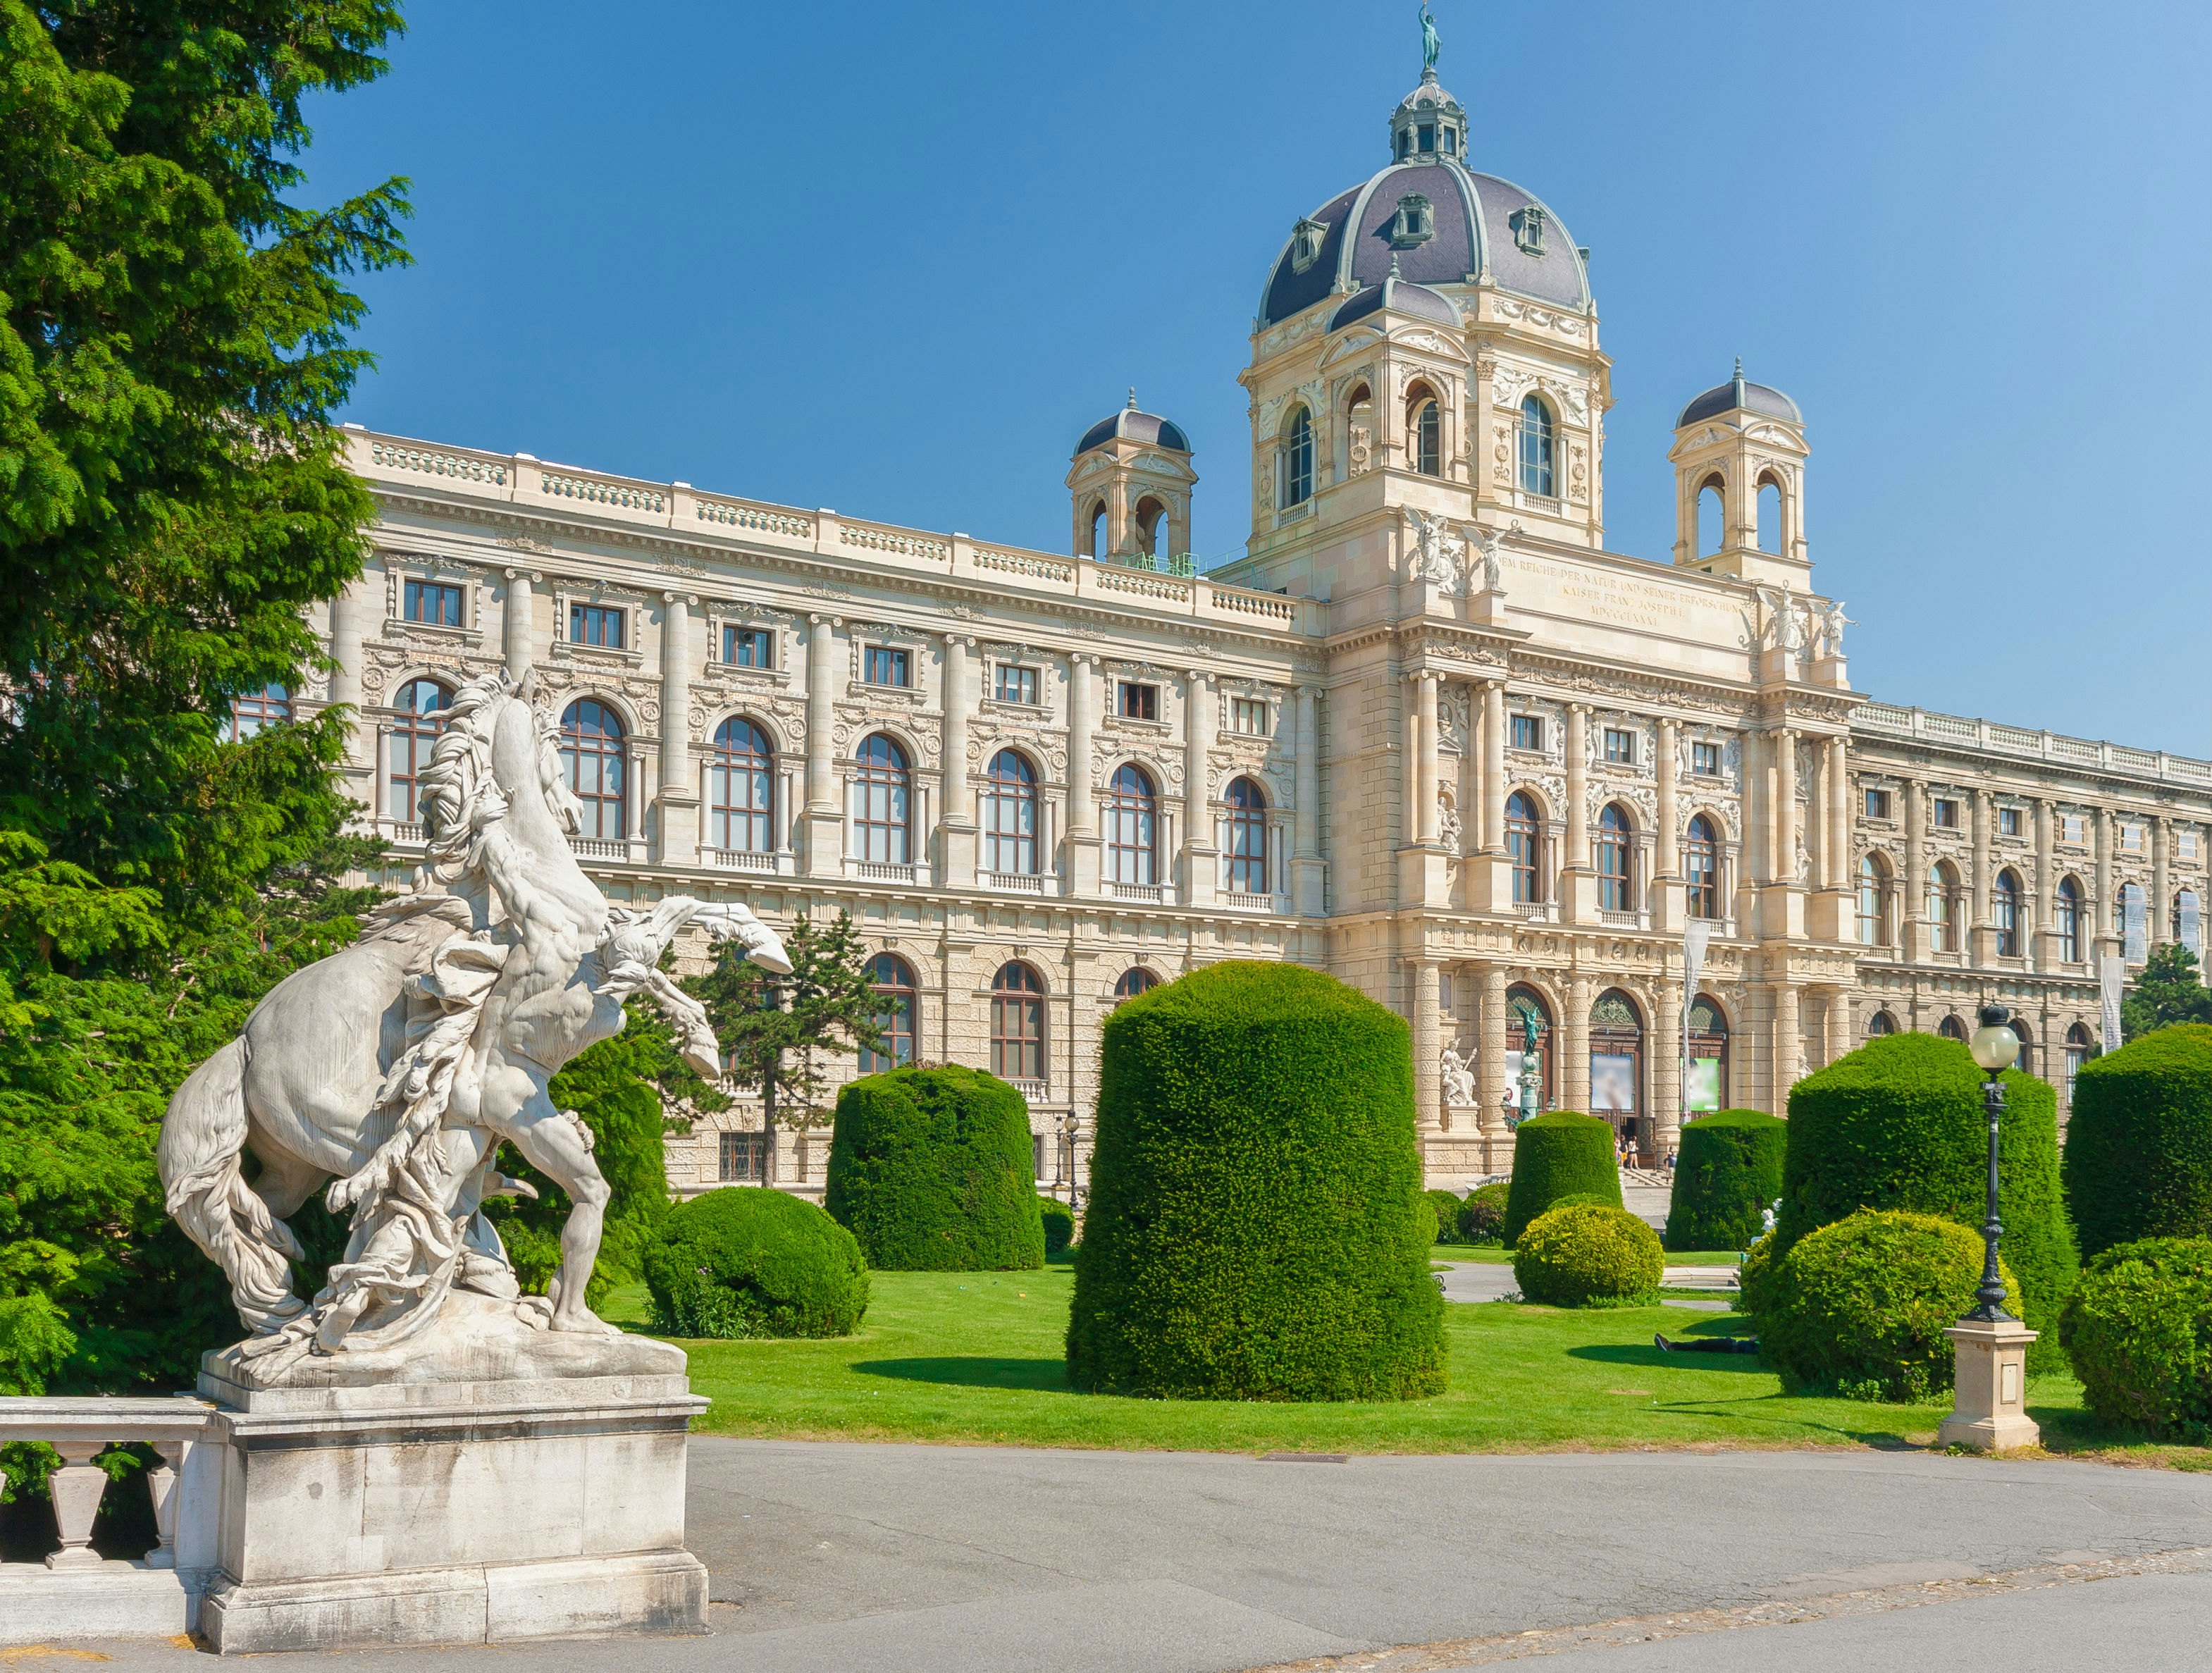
(2169,990)
(772,1029)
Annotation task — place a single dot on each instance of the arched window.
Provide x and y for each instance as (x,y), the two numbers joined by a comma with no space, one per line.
(1616,1031)
(898,1014)
(882,792)
(1615,892)
(1017,1023)
(1098,540)
(1951,1029)
(1425,433)
(2066,915)
(1708,1088)
(1946,907)
(1133,823)
(1152,527)
(417,721)
(248,713)
(1524,845)
(1010,815)
(2189,923)
(2025,1062)
(2004,907)
(1878,1023)
(1522,1003)
(591,751)
(1712,516)
(1297,458)
(1247,849)
(741,789)
(1701,867)
(1770,514)
(1874,900)
(1536,474)
(1135,980)
(2078,1045)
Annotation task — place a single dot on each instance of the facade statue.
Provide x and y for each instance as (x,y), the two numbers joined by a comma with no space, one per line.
(1458,1079)
(1493,542)
(1439,555)
(1828,631)
(1449,832)
(396,1067)
(1429,44)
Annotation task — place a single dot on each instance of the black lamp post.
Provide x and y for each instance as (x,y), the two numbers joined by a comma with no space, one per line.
(1996,1048)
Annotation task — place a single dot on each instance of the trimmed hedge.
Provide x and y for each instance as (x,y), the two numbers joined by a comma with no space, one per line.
(2138,1329)
(1899,1124)
(2138,1160)
(1446,1206)
(748,1261)
(1256,1228)
(1059,1220)
(1559,1154)
(1727,1173)
(932,1170)
(1588,1254)
(1859,1307)
(1482,1216)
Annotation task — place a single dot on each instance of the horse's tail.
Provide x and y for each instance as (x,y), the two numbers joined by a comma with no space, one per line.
(202,1138)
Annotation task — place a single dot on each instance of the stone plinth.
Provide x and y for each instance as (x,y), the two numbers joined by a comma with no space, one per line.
(483,1483)
(1990,1414)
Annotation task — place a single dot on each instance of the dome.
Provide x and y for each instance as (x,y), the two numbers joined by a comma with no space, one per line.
(1132,425)
(1739,395)
(1399,295)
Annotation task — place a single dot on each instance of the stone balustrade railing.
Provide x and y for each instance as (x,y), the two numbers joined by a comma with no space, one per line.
(81,1430)
(1887,719)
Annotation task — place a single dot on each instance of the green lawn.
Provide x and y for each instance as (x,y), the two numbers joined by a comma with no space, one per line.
(976,1357)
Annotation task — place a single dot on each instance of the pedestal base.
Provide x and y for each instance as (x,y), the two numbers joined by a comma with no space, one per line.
(1992,1386)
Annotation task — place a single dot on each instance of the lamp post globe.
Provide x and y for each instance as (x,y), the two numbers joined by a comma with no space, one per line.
(1995,1047)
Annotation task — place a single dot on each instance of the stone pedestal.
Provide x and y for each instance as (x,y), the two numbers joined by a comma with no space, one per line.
(483,1483)
(1990,1414)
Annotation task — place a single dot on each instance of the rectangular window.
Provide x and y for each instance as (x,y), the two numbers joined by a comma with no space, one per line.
(1248,715)
(1527,732)
(595,625)
(2131,838)
(2007,822)
(431,602)
(1877,804)
(1706,760)
(1017,684)
(1139,702)
(1620,746)
(749,647)
(741,1156)
(1946,814)
(2185,844)
(2076,830)
(887,665)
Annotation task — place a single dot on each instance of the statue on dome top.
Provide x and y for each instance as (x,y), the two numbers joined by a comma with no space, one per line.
(1429,44)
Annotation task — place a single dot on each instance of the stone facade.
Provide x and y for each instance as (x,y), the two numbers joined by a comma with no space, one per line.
(1428,734)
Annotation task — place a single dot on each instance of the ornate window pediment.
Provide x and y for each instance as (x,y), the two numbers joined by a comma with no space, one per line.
(1305,243)
(1414,223)
(1528,226)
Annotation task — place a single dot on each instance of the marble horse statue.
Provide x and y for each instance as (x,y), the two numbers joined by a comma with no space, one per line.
(392,1071)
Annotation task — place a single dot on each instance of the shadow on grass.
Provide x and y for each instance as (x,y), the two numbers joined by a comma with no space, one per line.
(1880,1440)
(973,1372)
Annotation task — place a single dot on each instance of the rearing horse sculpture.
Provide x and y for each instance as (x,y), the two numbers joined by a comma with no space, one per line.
(395,1068)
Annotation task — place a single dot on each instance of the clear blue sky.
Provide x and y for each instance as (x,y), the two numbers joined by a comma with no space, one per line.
(893,258)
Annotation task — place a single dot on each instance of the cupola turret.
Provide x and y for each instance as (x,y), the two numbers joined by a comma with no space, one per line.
(1131,482)
(1741,447)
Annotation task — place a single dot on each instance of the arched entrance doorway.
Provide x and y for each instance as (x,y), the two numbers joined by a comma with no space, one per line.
(1616,1050)
(1524,1004)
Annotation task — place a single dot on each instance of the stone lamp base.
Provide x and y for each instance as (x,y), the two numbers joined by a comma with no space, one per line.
(1990,1414)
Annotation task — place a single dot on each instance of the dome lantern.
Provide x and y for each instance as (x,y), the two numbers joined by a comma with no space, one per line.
(1131,480)
(1428,124)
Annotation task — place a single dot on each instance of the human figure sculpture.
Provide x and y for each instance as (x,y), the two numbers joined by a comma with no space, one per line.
(395,1068)
(1458,1078)
(1439,554)
(1431,45)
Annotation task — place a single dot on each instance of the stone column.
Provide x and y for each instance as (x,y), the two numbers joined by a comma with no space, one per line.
(1666,1054)
(2160,913)
(1409,773)
(1083,844)
(1575,1047)
(957,823)
(2041,945)
(1913,908)
(1983,938)
(824,824)
(1428,1046)
(1788,1045)
(1306,868)
(680,789)
(1493,767)
(519,620)
(2104,936)
(1491,1045)
(1838,844)
(1837,1014)
(1200,853)
(1668,846)
(1426,769)
(1577,889)
(1785,806)
(350,617)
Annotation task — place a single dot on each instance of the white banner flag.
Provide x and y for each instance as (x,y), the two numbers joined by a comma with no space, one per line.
(2111,977)
(2192,929)
(1696,935)
(2134,925)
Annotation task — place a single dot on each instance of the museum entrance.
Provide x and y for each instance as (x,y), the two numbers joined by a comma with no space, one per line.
(1616,1061)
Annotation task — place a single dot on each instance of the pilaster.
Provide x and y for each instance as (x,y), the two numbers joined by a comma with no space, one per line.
(824,837)
(679,789)
(957,824)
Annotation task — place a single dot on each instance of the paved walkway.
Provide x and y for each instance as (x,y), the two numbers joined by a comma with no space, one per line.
(828,1558)
(1492,1281)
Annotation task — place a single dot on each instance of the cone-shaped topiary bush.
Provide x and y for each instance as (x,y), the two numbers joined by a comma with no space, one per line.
(1899,1124)
(1727,1173)
(1563,1153)
(2138,1329)
(1059,1220)
(2138,1158)
(1256,1228)
(1482,1216)
(932,1170)
(750,1262)
(1859,1307)
(1588,1255)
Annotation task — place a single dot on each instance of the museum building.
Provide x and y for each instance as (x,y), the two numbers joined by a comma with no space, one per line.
(1428,734)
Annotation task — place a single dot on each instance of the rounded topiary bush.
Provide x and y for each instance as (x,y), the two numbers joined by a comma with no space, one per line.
(1446,1206)
(747,1261)
(1727,1171)
(2138,1158)
(932,1170)
(2138,1329)
(1899,1124)
(1859,1307)
(1256,1228)
(1482,1216)
(1563,1153)
(1588,1254)
(1059,1221)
